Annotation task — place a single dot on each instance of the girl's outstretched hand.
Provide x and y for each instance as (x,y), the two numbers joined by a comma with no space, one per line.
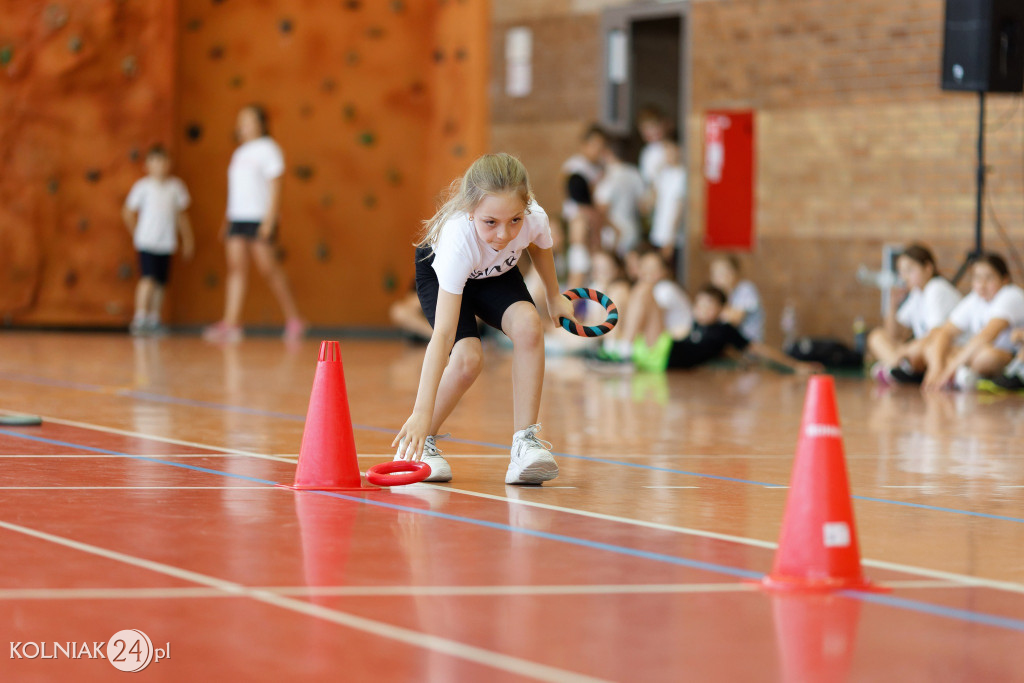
(561,307)
(412,436)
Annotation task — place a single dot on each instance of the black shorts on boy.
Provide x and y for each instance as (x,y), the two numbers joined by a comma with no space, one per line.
(155,266)
(487,298)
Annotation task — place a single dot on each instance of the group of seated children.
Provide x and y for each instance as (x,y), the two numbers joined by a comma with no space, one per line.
(660,329)
(942,340)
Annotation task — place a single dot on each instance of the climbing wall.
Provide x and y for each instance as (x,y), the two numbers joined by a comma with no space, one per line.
(85,87)
(377,105)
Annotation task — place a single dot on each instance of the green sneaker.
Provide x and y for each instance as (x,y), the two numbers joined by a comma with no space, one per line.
(652,358)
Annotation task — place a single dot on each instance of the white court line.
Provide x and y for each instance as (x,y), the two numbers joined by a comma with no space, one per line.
(671,487)
(410,591)
(134,488)
(478,655)
(878,564)
(164,439)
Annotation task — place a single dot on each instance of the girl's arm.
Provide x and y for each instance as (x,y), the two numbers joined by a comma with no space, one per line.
(764,352)
(416,429)
(891,326)
(270,220)
(966,354)
(558,305)
(188,243)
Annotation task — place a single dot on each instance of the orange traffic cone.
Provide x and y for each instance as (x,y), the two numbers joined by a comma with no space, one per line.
(327,458)
(818,545)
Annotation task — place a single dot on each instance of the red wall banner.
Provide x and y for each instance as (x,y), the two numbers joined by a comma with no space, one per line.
(729,179)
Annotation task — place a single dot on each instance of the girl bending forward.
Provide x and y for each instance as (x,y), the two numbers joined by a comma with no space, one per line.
(466,268)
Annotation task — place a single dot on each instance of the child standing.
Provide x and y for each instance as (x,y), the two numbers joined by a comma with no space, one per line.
(466,267)
(154,213)
(669,204)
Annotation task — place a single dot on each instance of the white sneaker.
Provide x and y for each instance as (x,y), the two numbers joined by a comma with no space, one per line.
(440,470)
(531,459)
(965,379)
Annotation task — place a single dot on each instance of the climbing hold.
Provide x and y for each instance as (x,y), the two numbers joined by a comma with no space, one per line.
(352,58)
(394,176)
(390,281)
(129,66)
(55,17)
(83,224)
(70,279)
(306,110)
(193,131)
(369,201)
(93,175)
(397,6)
(322,252)
(366,138)
(194,25)
(75,43)
(52,185)
(461,54)
(417,88)
(353,4)
(285,26)
(349,112)
(6,55)
(451,127)
(328,85)
(438,55)
(236,82)
(304,172)
(327,200)
(375,33)
(211,280)
(125,271)
(458,151)
(216,52)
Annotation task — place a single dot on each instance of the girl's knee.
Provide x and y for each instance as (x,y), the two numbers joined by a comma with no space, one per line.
(468,360)
(525,329)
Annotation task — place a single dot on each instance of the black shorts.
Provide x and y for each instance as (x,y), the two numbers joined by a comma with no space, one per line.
(247,229)
(155,266)
(488,297)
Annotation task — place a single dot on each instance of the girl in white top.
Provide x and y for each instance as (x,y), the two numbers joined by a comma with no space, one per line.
(899,345)
(656,304)
(984,320)
(743,310)
(250,226)
(466,267)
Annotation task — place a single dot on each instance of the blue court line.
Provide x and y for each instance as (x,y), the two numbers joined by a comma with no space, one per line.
(886,600)
(162,398)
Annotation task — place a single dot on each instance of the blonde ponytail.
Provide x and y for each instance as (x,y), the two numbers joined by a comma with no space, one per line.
(491,174)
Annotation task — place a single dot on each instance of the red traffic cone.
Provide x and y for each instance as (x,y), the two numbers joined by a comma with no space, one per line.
(327,458)
(818,545)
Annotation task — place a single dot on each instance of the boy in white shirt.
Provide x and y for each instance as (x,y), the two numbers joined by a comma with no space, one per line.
(669,204)
(154,213)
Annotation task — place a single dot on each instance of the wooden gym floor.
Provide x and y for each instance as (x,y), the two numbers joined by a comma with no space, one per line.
(146,501)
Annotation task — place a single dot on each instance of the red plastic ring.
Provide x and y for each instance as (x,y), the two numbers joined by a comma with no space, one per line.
(397,473)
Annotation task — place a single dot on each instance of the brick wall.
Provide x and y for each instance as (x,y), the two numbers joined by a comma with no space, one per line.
(856,144)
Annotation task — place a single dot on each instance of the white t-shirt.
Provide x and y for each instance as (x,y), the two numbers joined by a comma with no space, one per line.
(460,255)
(675,307)
(253,165)
(925,309)
(621,190)
(670,192)
(652,158)
(972,314)
(158,203)
(746,298)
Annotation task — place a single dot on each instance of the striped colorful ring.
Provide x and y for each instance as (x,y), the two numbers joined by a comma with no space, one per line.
(590,330)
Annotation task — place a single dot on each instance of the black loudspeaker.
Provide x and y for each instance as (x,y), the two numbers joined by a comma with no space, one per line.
(982,49)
